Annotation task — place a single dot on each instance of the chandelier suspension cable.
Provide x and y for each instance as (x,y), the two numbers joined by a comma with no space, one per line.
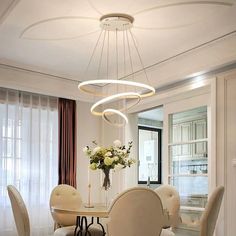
(117,66)
(108,39)
(140,59)
(124,93)
(130,58)
(94,49)
(100,59)
(107,64)
(124,54)
(117,75)
(124,51)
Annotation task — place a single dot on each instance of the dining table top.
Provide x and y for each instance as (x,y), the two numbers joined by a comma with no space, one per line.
(97,210)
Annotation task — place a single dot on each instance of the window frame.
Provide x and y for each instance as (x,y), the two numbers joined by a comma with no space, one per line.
(159,132)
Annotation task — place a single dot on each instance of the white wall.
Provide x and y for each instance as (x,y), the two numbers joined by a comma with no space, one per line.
(88,129)
(34,82)
(226,150)
(109,135)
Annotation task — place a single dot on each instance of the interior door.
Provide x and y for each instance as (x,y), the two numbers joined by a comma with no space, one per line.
(186,159)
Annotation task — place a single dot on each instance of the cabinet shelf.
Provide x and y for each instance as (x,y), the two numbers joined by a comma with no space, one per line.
(188,142)
(190,208)
(189,158)
(187,175)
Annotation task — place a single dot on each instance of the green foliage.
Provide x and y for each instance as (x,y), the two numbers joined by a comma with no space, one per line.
(107,158)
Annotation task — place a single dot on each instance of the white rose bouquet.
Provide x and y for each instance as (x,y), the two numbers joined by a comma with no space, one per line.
(107,158)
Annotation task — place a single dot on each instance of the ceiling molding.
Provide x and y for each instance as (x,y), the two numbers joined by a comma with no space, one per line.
(149,67)
(183,3)
(208,43)
(3,65)
(6,7)
(191,79)
(57,19)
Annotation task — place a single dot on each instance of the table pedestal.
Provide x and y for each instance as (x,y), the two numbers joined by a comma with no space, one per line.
(82,226)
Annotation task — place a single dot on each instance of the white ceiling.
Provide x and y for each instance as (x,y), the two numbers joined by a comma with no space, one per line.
(57,36)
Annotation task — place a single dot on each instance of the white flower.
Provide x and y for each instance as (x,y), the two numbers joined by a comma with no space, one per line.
(116,158)
(119,167)
(108,154)
(117,143)
(96,149)
(119,151)
(85,149)
(93,166)
(108,161)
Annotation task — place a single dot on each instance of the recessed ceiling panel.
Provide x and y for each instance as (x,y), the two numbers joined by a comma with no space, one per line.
(34,35)
(178,14)
(68,27)
(5,8)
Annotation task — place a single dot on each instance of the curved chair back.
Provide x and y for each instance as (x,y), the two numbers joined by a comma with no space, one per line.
(19,211)
(210,215)
(171,202)
(136,212)
(65,196)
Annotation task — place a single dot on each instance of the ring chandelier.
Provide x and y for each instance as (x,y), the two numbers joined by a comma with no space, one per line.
(115,97)
(118,24)
(107,113)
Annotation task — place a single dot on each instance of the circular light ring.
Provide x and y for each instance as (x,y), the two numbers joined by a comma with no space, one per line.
(114,97)
(114,111)
(81,86)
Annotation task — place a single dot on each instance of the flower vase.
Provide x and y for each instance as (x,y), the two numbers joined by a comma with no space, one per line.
(106,184)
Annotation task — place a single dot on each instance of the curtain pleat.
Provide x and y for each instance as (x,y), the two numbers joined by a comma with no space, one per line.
(28,156)
(67,142)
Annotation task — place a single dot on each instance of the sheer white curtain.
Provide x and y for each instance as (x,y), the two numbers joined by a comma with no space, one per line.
(28,156)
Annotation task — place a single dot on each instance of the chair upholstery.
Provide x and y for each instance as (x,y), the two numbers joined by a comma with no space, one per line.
(19,211)
(171,202)
(22,218)
(136,212)
(69,231)
(65,196)
(210,215)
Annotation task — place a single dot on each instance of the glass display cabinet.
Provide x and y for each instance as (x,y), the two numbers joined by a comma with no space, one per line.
(188,160)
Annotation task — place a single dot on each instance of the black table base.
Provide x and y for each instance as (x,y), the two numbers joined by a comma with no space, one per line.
(82,226)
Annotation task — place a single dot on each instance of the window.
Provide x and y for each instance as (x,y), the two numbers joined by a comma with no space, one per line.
(28,156)
(149,169)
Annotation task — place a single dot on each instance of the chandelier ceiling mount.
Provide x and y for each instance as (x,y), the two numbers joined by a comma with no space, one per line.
(116,21)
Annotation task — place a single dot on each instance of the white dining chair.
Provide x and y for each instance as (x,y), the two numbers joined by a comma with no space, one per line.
(67,197)
(171,202)
(136,212)
(22,221)
(208,220)
(209,217)
(21,215)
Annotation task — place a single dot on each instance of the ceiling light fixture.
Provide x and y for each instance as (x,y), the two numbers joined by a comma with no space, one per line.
(113,98)
(148,93)
(116,43)
(109,112)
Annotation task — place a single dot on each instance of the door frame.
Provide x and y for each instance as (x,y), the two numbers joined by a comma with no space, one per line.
(208,100)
